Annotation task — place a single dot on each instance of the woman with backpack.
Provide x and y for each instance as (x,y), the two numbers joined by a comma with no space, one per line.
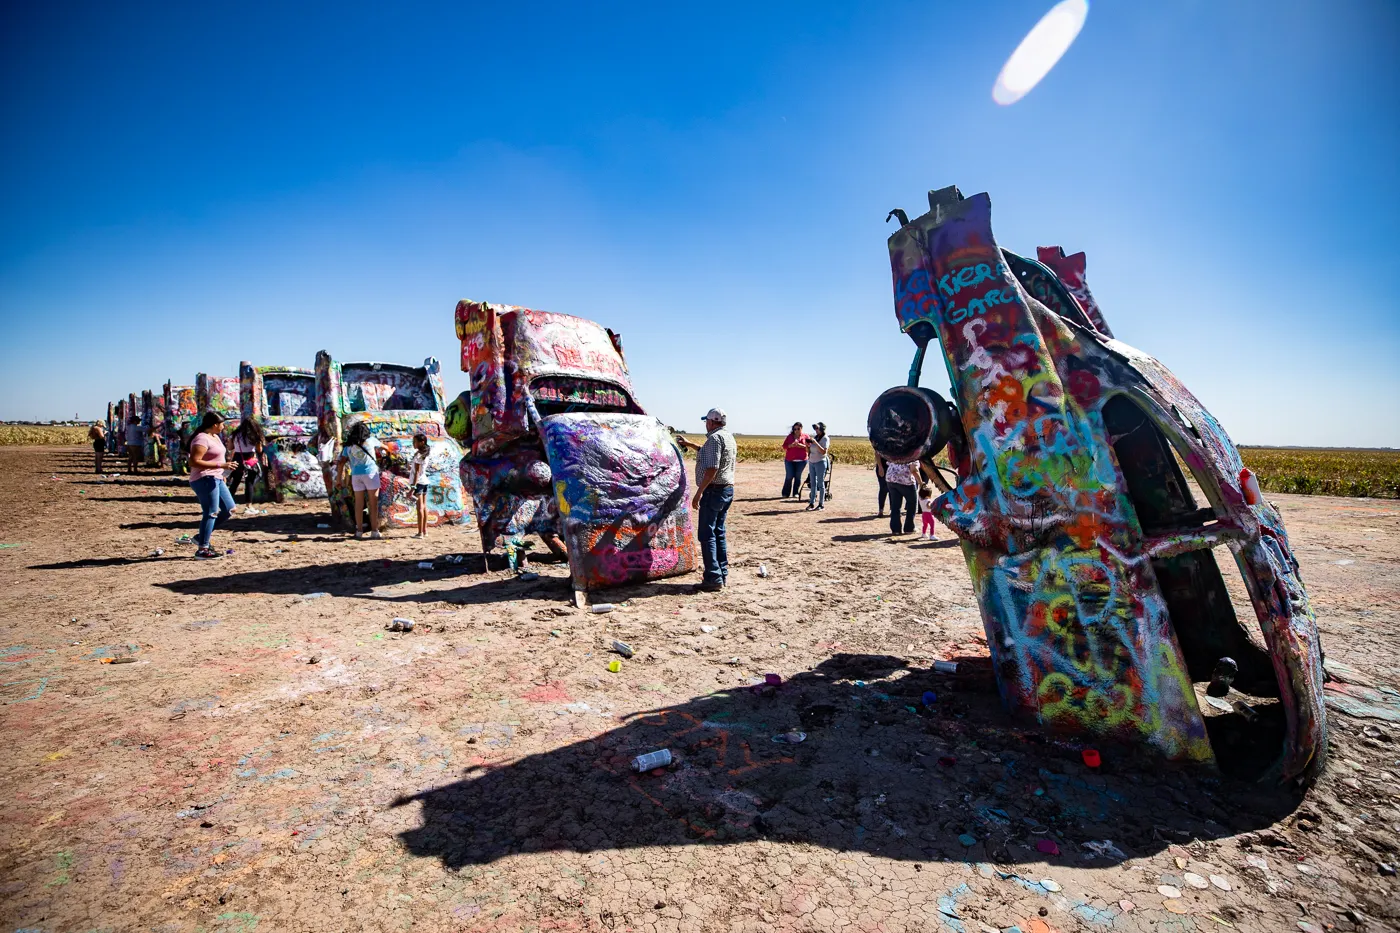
(248,443)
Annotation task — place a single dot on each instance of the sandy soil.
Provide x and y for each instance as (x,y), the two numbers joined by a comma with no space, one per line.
(268,760)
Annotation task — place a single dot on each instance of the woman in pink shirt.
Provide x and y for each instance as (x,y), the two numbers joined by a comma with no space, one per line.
(208,460)
(794,459)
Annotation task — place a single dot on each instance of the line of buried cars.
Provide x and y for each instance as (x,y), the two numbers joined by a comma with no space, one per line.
(1076,463)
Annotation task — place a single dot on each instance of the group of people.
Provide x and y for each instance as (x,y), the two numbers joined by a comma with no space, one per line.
(813,453)
(908,489)
(215,475)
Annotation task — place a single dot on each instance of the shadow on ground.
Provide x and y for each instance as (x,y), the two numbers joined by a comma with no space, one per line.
(466,583)
(878,772)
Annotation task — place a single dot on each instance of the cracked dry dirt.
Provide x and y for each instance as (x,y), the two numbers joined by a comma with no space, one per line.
(268,761)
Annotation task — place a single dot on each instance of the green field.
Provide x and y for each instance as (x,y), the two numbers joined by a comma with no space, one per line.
(1309,471)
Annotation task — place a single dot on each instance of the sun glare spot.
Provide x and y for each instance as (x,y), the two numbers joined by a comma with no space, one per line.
(1040,50)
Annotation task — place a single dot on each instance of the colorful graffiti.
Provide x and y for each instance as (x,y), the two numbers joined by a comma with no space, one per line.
(219,394)
(153,422)
(557,445)
(282,400)
(116,440)
(395,402)
(1091,560)
(181,418)
(111,425)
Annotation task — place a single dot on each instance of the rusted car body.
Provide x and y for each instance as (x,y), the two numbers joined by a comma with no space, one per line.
(181,419)
(282,400)
(1093,562)
(558,445)
(396,402)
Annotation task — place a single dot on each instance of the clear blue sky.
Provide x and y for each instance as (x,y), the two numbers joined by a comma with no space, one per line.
(187,185)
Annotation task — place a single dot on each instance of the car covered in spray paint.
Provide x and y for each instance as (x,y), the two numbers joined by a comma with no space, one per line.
(113,420)
(219,394)
(181,420)
(557,445)
(282,401)
(153,426)
(1093,562)
(396,402)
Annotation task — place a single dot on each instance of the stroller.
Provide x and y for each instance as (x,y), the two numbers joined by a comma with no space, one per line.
(806,488)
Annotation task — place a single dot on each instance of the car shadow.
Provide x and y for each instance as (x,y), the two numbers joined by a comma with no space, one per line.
(468,582)
(879,771)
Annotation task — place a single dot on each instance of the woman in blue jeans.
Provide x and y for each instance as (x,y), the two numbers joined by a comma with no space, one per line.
(208,460)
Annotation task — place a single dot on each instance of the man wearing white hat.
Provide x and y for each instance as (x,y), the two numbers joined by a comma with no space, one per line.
(714,491)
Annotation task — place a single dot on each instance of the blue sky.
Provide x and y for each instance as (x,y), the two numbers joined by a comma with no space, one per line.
(185,186)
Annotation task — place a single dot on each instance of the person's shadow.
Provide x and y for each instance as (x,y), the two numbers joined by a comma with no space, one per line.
(882,769)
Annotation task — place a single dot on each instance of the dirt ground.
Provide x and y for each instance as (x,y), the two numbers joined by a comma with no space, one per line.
(258,756)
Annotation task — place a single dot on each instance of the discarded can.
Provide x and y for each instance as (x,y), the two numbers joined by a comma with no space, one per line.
(425,565)
(158,551)
(622,648)
(529,577)
(229,552)
(601,608)
(401,625)
(930,698)
(790,738)
(946,667)
(1091,757)
(1245,710)
(614,667)
(773,680)
(322,525)
(763,570)
(650,760)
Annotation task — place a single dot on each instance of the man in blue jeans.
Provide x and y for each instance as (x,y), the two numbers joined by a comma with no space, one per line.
(714,491)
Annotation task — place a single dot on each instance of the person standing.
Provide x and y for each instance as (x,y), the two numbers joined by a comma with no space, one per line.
(930,526)
(903,480)
(418,479)
(794,461)
(817,446)
(880,467)
(99,445)
(135,444)
(247,456)
(714,493)
(363,454)
(208,460)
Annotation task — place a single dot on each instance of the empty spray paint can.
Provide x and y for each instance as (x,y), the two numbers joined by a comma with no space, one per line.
(622,648)
(650,760)
(946,667)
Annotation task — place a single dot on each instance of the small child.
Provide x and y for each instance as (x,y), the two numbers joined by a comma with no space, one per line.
(930,530)
(418,477)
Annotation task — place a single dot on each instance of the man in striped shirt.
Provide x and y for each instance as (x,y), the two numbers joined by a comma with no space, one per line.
(714,492)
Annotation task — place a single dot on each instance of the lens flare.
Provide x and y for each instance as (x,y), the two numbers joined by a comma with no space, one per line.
(1040,50)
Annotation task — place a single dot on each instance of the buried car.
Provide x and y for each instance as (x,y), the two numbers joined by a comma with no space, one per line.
(218,394)
(281,400)
(181,419)
(1093,562)
(558,446)
(153,424)
(395,402)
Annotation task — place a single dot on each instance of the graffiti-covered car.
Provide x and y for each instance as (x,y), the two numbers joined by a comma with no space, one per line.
(181,419)
(557,445)
(395,402)
(153,426)
(281,400)
(219,394)
(1093,561)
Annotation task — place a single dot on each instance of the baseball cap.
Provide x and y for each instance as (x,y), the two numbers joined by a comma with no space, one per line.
(717,414)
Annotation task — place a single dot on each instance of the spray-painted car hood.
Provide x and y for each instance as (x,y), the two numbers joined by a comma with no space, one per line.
(1092,560)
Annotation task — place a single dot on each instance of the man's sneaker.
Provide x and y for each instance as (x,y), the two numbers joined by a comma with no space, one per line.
(710,586)
(207,553)
(375,536)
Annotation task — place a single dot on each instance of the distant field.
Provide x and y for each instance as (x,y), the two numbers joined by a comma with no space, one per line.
(1309,471)
(32,435)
